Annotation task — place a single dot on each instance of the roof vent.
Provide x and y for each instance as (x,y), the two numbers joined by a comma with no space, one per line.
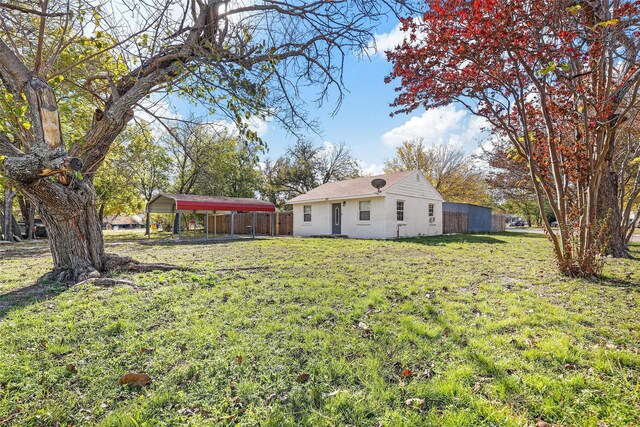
(378,183)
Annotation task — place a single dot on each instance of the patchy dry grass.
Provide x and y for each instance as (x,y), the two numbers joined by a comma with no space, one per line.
(468,330)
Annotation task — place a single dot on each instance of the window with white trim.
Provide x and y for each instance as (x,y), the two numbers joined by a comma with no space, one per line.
(400,210)
(307,213)
(364,211)
(432,217)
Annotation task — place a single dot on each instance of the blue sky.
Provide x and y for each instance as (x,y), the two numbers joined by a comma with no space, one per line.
(363,122)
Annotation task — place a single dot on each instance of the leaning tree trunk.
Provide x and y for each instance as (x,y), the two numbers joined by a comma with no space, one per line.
(73,228)
(65,200)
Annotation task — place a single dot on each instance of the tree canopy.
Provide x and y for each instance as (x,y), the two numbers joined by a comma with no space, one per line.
(239,60)
(555,78)
(305,166)
(447,168)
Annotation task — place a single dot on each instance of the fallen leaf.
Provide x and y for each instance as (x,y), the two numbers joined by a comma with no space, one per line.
(541,423)
(476,388)
(138,380)
(363,325)
(407,373)
(303,377)
(147,350)
(333,393)
(239,359)
(186,412)
(569,366)
(416,403)
(72,368)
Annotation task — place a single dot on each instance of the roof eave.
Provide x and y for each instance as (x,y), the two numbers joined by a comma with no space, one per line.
(327,199)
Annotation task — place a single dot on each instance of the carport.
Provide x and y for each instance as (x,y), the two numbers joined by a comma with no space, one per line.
(195,204)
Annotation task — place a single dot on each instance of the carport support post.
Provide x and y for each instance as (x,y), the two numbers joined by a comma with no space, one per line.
(232,222)
(206,226)
(179,225)
(273,223)
(253,226)
(215,217)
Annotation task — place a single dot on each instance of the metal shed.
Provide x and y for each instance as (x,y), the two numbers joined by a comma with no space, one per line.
(196,204)
(478,217)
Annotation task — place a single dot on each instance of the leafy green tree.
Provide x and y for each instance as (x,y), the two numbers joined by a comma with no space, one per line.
(115,189)
(212,161)
(239,60)
(304,167)
(447,169)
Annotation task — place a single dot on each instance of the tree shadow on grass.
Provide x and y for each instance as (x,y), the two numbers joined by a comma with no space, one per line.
(197,241)
(20,252)
(31,294)
(453,238)
(625,284)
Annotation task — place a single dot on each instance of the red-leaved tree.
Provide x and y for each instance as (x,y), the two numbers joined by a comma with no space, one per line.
(556,78)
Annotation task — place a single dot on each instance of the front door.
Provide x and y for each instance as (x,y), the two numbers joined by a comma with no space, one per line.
(336,217)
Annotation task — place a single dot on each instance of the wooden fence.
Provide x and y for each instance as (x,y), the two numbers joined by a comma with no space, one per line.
(243,222)
(454,222)
(498,223)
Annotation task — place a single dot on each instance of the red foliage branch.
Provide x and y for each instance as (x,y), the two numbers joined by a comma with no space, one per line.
(555,78)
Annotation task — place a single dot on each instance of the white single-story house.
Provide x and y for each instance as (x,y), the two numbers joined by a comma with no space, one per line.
(405,205)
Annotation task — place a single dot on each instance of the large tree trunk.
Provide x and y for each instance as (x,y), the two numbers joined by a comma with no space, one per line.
(73,227)
(610,216)
(64,199)
(609,211)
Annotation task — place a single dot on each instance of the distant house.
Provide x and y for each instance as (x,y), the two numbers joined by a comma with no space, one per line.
(406,206)
(119,222)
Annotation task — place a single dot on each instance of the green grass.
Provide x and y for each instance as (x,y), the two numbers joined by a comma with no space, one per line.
(491,333)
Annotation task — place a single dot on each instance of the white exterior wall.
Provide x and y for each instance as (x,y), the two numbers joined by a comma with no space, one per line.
(416,217)
(320,219)
(417,193)
(414,190)
(372,229)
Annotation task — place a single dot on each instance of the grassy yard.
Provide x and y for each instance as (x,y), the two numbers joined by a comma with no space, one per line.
(447,331)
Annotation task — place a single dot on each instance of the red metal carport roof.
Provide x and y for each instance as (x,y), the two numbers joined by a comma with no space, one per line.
(192,202)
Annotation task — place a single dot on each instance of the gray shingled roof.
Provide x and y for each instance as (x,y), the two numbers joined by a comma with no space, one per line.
(350,188)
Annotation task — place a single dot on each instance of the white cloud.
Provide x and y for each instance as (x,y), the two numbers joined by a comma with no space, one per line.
(369,169)
(443,125)
(258,125)
(385,41)
(155,108)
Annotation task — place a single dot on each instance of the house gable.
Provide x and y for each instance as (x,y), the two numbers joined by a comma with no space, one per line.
(414,185)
